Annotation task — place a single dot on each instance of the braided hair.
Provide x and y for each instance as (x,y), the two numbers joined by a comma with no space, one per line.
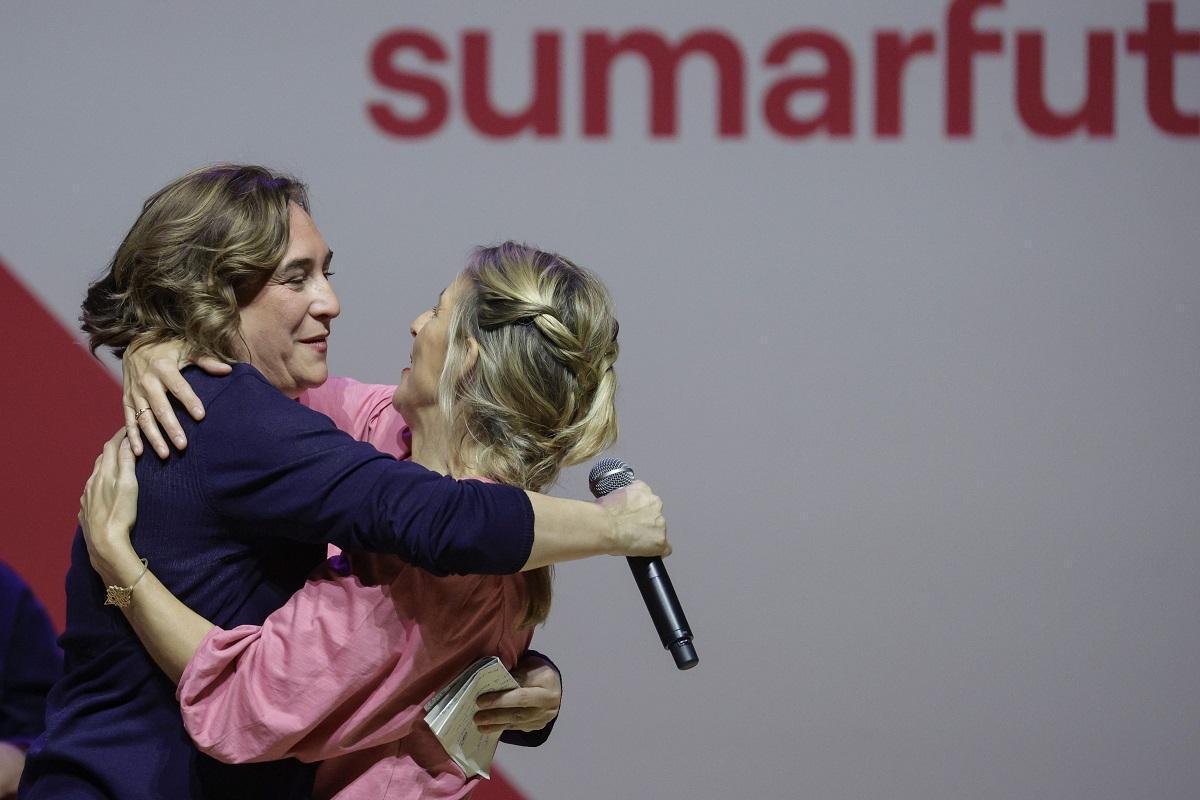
(541,394)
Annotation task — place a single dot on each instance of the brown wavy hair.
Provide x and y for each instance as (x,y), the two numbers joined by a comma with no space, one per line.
(541,394)
(202,246)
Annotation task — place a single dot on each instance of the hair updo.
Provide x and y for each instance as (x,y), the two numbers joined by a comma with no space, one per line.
(541,394)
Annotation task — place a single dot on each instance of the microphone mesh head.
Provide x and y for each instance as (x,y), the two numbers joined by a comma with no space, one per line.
(608,475)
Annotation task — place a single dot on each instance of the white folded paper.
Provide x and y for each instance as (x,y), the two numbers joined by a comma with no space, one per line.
(451,715)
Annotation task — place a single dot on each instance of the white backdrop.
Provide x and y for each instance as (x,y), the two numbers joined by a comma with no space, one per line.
(923,409)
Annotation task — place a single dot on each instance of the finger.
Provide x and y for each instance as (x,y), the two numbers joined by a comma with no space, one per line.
(131,431)
(111,448)
(524,719)
(126,478)
(165,415)
(149,427)
(525,697)
(507,717)
(502,699)
(108,459)
(213,366)
(125,461)
(178,386)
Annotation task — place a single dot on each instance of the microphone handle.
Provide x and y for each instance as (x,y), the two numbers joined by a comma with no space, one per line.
(659,595)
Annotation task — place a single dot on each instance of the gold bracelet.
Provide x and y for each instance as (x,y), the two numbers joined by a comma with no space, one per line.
(120,596)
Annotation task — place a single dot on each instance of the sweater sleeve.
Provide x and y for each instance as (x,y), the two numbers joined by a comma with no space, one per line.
(272,467)
(343,666)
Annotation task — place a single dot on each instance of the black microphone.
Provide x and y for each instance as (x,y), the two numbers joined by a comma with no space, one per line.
(611,474)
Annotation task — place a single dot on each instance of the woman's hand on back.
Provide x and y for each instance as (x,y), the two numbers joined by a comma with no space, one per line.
(149,373)
(108,507)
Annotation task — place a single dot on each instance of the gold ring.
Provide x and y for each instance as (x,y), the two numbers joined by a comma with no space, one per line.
(138,414)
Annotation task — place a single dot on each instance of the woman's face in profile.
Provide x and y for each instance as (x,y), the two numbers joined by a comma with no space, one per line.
(285,328)
(430,331)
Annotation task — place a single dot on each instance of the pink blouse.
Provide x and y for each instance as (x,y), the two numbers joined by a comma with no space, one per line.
(340,673)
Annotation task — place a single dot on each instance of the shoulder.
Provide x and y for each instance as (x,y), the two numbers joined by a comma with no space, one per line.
(243,379)
(7,575)
(20,606)
(12,588)
(245,402)
(244,391)
(347,392)
(363,410)
(250,428)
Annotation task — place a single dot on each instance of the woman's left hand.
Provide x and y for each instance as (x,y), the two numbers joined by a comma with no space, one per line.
(108,507)
(151,372)
(529,708)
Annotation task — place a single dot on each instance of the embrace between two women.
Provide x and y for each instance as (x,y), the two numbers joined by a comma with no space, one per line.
(238,638)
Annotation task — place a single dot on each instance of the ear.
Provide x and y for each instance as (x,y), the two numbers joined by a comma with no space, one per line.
(471,357)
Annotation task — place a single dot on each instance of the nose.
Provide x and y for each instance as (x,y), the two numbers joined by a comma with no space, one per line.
(419,322)
(326,305)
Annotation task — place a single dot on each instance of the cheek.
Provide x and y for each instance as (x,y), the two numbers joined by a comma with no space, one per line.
(443,344)
(268,313)
(268,330)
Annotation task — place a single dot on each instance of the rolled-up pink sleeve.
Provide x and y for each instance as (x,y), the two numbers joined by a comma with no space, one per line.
(342,667)
(292,686)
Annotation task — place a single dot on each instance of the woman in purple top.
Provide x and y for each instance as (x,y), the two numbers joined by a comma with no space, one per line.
(228,259)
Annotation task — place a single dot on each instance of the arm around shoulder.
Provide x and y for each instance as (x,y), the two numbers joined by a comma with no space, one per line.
(302,478)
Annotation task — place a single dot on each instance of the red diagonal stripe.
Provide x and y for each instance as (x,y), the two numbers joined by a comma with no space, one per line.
(58,405)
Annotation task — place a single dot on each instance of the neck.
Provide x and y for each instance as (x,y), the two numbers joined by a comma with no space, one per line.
(434,448)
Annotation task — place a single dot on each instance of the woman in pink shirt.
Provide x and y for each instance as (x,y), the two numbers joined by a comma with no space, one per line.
(511,379)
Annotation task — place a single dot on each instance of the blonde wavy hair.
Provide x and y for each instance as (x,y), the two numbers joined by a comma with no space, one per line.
(541,394)
(203,245)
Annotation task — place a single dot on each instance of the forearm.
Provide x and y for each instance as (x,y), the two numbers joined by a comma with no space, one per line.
(565,530)
(168,629)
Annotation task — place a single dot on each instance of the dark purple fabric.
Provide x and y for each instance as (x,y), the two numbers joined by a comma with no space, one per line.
(232,526)
(30,661)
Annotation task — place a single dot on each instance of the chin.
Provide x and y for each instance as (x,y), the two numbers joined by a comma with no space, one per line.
(314,379)
(398,398)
